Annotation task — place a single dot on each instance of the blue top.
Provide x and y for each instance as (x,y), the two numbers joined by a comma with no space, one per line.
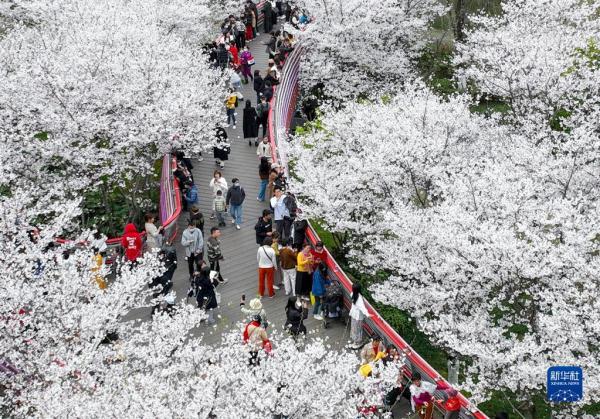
(318,287)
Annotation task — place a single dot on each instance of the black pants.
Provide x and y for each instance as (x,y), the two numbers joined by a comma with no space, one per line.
(284,227)
(194,262)
(264,121)
(214,266)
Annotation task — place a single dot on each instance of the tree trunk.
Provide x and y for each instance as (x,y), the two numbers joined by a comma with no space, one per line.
(459,15)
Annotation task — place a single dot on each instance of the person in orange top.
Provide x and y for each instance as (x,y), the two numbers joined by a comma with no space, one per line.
(303,272)
(451,405)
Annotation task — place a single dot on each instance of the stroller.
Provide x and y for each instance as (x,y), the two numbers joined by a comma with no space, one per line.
(333,304)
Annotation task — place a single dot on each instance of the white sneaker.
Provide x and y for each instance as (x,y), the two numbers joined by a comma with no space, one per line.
(224,281)
(237,226)
(275,287)
(200,159)
(234,127)
(318,317)
(232,221)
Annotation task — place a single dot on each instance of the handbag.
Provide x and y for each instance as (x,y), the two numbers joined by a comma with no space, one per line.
(251,61)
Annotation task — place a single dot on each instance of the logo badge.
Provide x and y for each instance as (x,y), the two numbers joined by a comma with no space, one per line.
(565,384)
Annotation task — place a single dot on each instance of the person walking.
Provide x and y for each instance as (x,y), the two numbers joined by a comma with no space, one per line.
(193,242)
(213,250)
(262,111)
(131,242)
(277,279)
(303,272)
(222,149)
(273,174)
(264,149)
(235,199)
(259,86)
(205,293)
(230,107)
(249,124)
(217,183)
(263,173)
(288,257)
(197,217)
(358,312)
(267,16)
(219,208)
(247,61)
(265,257)
(320,282)
(153,236)
(263,227)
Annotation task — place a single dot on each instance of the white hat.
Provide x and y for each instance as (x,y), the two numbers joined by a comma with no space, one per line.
(255,304)
(213,275)
(275,166)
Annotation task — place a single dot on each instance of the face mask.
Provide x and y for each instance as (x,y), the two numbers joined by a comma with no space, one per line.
(236,184)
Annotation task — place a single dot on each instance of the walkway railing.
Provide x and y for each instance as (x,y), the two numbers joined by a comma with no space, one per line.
(282,110)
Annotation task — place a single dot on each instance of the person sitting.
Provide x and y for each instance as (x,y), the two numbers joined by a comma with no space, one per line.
(421,393)
(370,351)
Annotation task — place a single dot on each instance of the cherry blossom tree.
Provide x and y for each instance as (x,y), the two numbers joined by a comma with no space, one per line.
(95,90)
(488,232)
(358,47)
(70,348)
(523,55)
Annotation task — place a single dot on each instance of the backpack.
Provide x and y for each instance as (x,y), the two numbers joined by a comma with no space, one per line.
(260,109)
(291,205)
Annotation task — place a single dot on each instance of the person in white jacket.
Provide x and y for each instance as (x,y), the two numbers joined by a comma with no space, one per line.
(217,183)
(264,149)
(358,312)
(153,237)
(266,267)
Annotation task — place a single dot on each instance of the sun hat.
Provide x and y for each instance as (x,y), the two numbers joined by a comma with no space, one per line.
(255,304)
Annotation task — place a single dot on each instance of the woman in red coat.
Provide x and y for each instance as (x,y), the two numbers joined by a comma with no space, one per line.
(235,56)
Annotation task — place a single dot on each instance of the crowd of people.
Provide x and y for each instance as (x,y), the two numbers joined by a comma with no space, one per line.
(286,262)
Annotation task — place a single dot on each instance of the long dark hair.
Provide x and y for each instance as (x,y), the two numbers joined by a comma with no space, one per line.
(356,291)
(264,166)
(291,303)
(248,104)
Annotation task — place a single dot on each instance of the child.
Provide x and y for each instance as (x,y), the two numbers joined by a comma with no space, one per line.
(219,207)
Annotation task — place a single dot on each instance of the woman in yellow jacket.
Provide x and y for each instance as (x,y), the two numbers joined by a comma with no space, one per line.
(97,268)
(303,272)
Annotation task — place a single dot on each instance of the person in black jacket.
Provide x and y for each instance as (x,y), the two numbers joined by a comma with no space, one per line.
(234,200)
(296,312)
(259,85)
(250,127)
(268,17)
(263,227)
(205,293)
(222,56)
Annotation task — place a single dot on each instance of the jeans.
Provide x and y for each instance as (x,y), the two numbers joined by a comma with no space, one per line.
(263,189)
(220,218)
(236,213)
(231,115)
(317,307)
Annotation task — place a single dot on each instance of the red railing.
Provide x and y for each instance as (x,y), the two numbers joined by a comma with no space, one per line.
(282,109)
